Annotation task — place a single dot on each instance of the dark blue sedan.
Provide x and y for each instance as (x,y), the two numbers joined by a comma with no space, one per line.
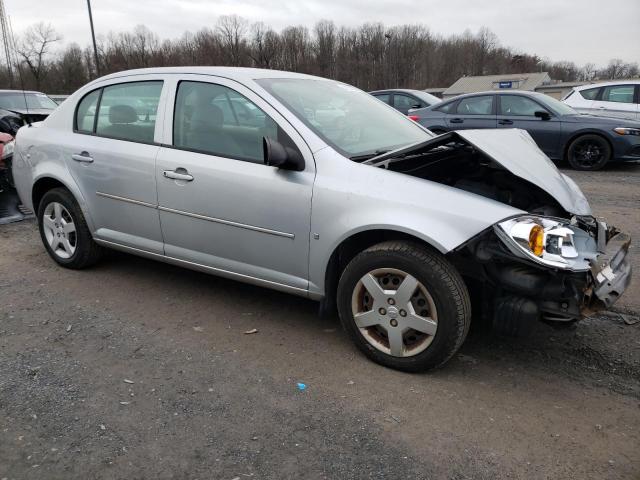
(587,142)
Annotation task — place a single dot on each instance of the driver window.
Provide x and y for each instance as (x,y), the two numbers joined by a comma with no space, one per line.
(518,106)
(215,119)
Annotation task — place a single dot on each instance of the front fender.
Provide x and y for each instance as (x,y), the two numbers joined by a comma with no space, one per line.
(350,198)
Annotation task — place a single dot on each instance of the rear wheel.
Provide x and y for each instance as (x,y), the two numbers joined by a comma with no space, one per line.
(64,231)
(404,306)
(589,152)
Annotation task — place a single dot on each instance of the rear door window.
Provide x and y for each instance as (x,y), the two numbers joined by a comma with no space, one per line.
(618,93)
(481,105)
(590,93)
(128,111)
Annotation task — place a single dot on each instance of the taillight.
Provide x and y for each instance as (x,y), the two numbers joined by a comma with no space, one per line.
(415,118)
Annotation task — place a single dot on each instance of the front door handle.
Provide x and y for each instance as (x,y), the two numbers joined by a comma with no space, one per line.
(456,120)
(178,174)
(83,157)
(505,122)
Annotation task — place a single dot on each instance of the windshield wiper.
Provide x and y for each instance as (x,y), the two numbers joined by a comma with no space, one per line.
(362,158)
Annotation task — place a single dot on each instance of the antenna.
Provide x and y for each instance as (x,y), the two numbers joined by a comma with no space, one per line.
(6,42)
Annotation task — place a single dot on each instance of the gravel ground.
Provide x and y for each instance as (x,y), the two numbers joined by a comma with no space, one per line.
(140,370)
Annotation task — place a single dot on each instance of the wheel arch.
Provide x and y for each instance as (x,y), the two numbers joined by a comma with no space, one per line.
(42,186)
(353,244)
(48,181)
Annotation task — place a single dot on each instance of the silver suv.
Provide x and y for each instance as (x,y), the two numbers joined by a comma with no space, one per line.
(313,187)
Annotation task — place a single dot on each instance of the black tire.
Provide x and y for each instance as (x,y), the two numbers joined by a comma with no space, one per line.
(588,152)
(439,277)
(87,251)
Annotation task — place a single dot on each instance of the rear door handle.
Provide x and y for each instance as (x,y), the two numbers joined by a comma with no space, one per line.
(456,120)
(505,122)
(178,174)
(83,157)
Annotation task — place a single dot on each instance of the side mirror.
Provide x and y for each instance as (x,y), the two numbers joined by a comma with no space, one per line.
(277,155)
(543,115)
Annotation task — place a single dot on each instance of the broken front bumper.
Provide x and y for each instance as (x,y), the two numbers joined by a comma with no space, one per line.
(611,273)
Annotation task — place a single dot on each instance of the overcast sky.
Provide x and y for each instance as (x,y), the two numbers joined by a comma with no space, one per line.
(582,31)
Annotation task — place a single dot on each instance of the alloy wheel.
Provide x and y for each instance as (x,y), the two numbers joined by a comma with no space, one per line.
(59,230)
(588,153)
(394,312)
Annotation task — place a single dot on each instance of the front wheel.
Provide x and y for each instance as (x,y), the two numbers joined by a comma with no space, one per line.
(589,152)
(404,306)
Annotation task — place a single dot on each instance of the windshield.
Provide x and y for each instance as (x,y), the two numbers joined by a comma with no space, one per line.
(350,120)
(556,105)
(35,101)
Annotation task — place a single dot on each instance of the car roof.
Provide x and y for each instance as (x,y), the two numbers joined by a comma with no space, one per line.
(232,73)
(404,90)
(606,84)
(7,90)
(524,93)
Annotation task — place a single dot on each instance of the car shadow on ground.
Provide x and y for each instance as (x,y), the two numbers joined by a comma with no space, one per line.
(597,351)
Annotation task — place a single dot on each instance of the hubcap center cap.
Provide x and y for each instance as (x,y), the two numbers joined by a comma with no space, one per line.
(392,312)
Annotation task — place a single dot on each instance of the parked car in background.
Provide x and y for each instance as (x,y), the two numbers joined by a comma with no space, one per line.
(10,122)
(404,100)
(31,106)
(406,227)
(58,98)
(587,142)
(610,99)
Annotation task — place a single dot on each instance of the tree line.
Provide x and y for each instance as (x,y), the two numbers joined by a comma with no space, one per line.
(370,56)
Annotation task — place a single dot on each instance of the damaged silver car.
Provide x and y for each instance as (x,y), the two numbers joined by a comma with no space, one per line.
(313,187)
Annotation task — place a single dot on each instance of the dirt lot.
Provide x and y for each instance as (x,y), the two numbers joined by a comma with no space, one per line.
(139,370)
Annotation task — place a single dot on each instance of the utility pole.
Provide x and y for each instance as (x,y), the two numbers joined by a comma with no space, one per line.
(93,37)
(7,41)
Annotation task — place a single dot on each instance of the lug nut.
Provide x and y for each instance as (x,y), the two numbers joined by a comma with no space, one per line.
(403,313)
(394,323)
(391,301)
(382,311)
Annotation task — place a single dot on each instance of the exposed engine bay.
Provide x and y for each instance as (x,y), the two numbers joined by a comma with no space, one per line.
(454,162)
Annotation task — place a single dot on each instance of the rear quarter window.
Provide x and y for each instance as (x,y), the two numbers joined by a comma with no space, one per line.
(446,108)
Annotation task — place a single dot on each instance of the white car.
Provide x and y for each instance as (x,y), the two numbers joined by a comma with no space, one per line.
(612,99)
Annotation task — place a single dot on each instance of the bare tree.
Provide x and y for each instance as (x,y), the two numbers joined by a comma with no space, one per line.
(34,47)
(232,29)
(617,68)
(370,56)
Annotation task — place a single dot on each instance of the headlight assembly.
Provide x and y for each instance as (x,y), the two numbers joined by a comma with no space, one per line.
(548,241)
(627,131)
(8,148)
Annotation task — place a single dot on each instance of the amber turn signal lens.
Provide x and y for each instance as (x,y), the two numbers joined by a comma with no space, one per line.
(536,240)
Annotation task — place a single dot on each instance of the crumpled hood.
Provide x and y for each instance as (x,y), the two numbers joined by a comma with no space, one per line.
(516,151)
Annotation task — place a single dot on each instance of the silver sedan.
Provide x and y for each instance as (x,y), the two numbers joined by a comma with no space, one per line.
(313,187)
